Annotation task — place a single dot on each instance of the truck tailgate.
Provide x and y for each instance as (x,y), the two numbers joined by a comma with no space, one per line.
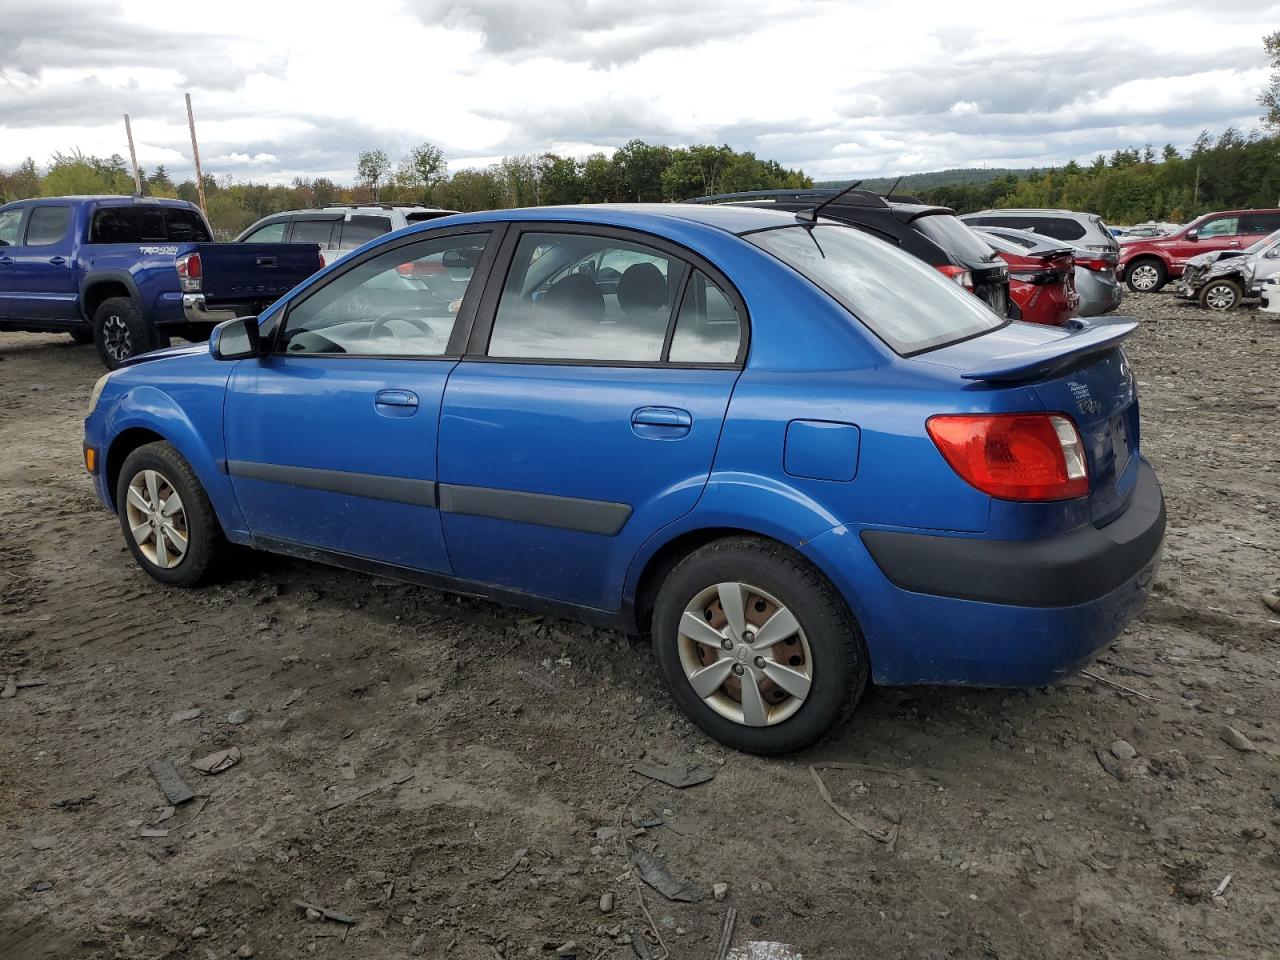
(240,272)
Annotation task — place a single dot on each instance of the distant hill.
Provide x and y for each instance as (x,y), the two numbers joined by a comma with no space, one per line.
(958,176)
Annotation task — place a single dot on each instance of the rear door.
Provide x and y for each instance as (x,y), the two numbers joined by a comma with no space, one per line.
(331,440)
(587,411)
(41,278)
(1254,226)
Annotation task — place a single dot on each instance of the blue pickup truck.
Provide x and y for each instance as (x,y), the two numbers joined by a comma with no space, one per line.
(128,273)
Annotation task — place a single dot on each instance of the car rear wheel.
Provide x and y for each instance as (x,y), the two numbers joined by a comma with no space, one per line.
(120,332)
(166,517)
(757,647)
(1146,276)
(1221,295)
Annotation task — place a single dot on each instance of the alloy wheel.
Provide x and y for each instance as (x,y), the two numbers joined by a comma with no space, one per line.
(745,654)
(1144,276)
(1220,297)
(157,519)
(116,340)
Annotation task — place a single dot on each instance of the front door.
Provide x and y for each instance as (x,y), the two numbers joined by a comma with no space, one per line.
(587,413)
(331,440)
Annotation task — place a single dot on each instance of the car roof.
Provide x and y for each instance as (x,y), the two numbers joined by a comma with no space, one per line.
(1041,211)
(727,218)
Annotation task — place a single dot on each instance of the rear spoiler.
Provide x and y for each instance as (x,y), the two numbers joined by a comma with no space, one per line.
(1088,337)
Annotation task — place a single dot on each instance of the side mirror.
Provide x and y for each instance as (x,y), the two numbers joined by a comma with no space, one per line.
(1272,254)
(236,339)
(1193,234)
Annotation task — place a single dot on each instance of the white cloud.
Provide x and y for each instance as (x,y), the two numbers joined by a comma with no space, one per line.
(837,88)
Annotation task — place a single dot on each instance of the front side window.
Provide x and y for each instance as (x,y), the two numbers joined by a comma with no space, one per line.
(10,224)
(268,233)
(707,327)
(899,298)
(402,303)
(577,297)
(1222,227)
(47,225)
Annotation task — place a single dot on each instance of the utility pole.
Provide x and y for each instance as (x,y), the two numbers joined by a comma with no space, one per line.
(195,153)
(1195,202)
(133,156)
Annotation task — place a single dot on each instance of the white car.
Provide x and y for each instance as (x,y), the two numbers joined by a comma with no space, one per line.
(339,228)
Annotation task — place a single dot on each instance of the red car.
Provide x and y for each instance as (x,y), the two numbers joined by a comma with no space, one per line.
(1042,278)
(1149,264)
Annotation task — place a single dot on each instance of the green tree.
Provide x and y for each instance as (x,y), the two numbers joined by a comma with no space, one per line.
(372,167)
(561,179)
(1270,96)
(423,170)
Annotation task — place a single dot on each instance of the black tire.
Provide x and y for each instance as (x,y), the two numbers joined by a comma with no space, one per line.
(120,332)
(82,334)
(1221,294)
(840,667)
(1151,275)
(207,548)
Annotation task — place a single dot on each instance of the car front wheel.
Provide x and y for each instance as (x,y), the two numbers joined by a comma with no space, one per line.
(1146,276)
(1221,295)
(167,519)
(757,647)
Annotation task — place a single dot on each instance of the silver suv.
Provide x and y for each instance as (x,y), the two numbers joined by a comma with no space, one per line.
(1082,229)
(340,227)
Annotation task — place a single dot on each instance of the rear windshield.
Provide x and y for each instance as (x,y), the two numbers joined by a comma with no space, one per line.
(147,224)
(904,302)
(955,238)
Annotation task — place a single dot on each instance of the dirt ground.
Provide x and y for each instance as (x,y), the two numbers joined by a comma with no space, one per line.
(518,736)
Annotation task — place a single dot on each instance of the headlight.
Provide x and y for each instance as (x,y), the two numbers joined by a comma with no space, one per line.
(97,392)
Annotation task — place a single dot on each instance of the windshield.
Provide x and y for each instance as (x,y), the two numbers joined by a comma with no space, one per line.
(1259,245)
(905,303)
(955,238)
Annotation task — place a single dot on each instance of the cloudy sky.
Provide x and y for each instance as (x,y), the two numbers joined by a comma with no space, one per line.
(881,87)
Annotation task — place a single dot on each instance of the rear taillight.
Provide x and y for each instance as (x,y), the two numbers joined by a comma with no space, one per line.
(322,263)
(959,274)
(1093,263)
(189,272)
(1014,456)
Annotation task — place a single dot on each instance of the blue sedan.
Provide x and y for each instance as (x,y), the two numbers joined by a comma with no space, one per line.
(797,457)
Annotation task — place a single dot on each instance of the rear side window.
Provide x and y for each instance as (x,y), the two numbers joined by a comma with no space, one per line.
(47,225)
(1060,228)
(901,300)
(359,230)
(956,239)
(147,224)
(707,326)
(1259,222)
(577,297)
(185,226)
(313,231)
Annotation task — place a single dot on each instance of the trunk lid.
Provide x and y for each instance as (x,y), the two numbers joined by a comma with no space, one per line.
(1077,369)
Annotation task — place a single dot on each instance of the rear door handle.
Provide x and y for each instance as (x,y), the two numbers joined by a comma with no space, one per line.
(661,423)
(57,261)
(396,403)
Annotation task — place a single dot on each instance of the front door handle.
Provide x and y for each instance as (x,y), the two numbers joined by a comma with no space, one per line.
(661,423)
(6,260)
(57,261)
(396,403)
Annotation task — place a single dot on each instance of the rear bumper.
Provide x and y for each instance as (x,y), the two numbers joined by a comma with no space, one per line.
(1099,292)
(961,610)
(195,310)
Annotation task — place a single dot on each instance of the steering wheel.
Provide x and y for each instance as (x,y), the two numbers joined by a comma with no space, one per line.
(383,320)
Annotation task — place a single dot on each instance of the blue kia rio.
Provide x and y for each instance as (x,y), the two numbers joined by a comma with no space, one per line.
(797,457)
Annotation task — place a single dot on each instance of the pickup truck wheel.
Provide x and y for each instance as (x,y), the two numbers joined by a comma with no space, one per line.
(167,519)
(1146,275)
(82,334)
(120,332)
(1223,294)
(757,647)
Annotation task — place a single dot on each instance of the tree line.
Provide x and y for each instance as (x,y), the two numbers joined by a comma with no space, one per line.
(1230,171)
(635,172)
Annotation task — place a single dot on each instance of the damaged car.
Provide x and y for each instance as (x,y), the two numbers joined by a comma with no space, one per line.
(1221,279)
